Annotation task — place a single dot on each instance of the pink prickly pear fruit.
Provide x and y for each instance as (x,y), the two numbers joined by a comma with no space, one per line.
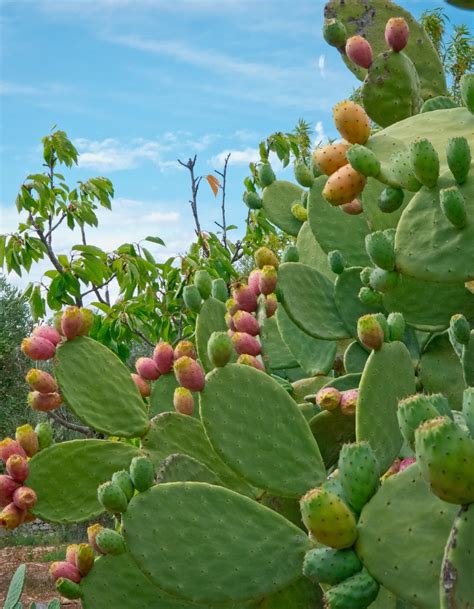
(27,438)
(396,33)
(264,256)
(370,332)
(359,51)
(11,516)
(9,447)
(250,360)
(163,356)
(71,322)
(142,385)
(231,306)
(254,281)
(344,186)
(38,348)
(352,122)
(185,348)
(406,463)
(328,398)
(229,320)
(392,470)
(17,467)
(147,368)
(41,381)
(87,321)
(348,402)
(245,298)
(189,374)
(92,533)
(24,498)
(353,208)
(84,558)
(271,304)
(7,487)
(64,569)
(71,553)
(331,157)
(44,402)
(183,401)
(245,343)
(48,333)
(246,322)
(268,279)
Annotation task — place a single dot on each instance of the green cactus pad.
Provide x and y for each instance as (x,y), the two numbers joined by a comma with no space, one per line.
(99,389)
(467,361)
(172,433)
(161,398)
(300,595)
(355,358)
(210,319)
(311,253)
(343,383)
(288,508)
(65,477)
(315,356)
(260,434)
(379,392)
(302,287)
(402,533)
(277,201)
(275,351)
(183,468)
(334,229)
(331,430)
(183,536)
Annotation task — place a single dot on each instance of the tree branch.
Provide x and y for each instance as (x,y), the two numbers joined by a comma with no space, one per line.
(195,182)
(72,426)
(47,244)
(53,228)
(223,175)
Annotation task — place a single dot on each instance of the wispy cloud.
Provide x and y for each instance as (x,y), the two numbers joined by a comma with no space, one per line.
(322,65)
(237,157)
(43,90)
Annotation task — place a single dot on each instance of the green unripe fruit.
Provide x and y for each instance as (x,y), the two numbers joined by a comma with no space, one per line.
(192,298)
(467,91)
(219,290)
(411,413)
(329,566)
(142,473)
(110,542)
(203,282)
(363,161)
(380,250)
(396,326)
(252,200)
(265,257)
(68,588)
(460,328)
(335,33)
(336,262)
(220,348)
(438,103)
(365,275)
(380,317)
(265,174)
(358,474)
(368,297)
(390,199)
(453,206)
(440,402)
(299,212)
(112,498)
(468,408)
(383,281)
(458,154)
(303,174)
(44,431)
(401,171)
(356,592)
(425,162)
(290,254)
(122,479)
(370,332)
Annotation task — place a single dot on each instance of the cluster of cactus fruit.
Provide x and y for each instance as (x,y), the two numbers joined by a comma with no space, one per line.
(331,458)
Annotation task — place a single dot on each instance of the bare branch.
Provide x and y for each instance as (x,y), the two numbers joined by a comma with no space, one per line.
(53,228)
(72,426)
(195,182)
(223,175)
(47,244)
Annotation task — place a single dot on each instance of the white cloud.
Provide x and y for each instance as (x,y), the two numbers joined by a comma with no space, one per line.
(14,88)
(322,65)
(162,216)
(237,157)
(320,134)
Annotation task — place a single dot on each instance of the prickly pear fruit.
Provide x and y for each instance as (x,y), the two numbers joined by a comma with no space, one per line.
(265,174)
(343,186)
(467,409)
(453,206)
(440,402)
(268,279)
(353,208)
(203,282)
(303,174)
(359,51)
(48,333)
(189,374)
(358,474)
(192,298)
(92,532)
(65,570)
(460,328)
(27,438)
(44,431)
(41,381)
(142,385)
(370,332)
(458,154)
(44,402)
(404,463)
(246,343)
(348,402)
(271,304)
(425,162)
(219,290)
(328,518)
(183,401)
(401,171)
(396,33)
(163,356)
(71,553)
(329,566)
(111,497)
(245,298)
(254,281)
(336,262)
(352,122)
(390,199)
(230,322)
(445,455)
(7,487)
(250,360)
(87,321)
(147,368)
(68,588)
(365,275)
(252,200)
(24,498)
(380,250)
(356,592)
(185,348)
(363,161)
(142,473)
(110,542)
(11,516)
(328,398)
(84,558)
(467,91)
(122,479)
(9,447)
(264,256)
(17,467)
(412,412)
(71,322)
(290,254)
(38,348)
(331,157)
(220,348)
(299,212)
(380,317)
(334,33)
(396,325)
(383,281)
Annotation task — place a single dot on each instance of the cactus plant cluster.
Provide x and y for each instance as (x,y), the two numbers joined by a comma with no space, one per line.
(330,459)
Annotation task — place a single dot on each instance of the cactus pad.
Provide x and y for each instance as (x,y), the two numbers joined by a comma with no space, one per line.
(161,398)
(332,429)
(300,595)
(311,253)
(277,201)
(276,353)
(183,468)
(355,358)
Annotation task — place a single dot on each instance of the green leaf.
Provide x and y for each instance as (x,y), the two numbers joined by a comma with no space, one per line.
(37,304)
(15,588)
(155,240)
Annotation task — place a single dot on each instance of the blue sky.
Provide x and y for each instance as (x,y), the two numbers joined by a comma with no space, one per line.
(137,84)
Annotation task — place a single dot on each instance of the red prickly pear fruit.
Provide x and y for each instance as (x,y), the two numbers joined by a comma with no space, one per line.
(245,298)
(48,333)
(87,321)
(44,402)
(41,381)
(250,360)
(246,322)
(29,517)
(38,348)
(264,256)
(183,401)
(328,398)
(359,51)
(328,159)
(64,569)
(189,374)
(231,306)
(406,463)
(348,402)
(71,322)
(268,279)
(27,438)
(24,498)
(9,447)
(147,368)
(271,304)
(7,487)
(229,320)
(370,332)
(396,33)
(245,343)
(220,348)
(71,553)
(254,281)
(17,467)
(84,558)
(344,186)
(163,356)
(185,348)
(352,122)
(11,516)
(354,208)
(142,385)
(92,533)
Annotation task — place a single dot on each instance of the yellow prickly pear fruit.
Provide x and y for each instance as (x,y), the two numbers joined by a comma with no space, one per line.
(352,122)
(344,186)
(332,157)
